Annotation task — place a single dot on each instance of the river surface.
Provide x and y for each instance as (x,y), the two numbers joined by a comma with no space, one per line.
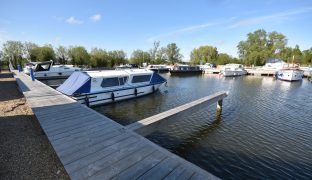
(263,132)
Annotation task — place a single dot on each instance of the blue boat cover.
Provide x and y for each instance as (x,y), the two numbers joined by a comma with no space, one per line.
(157,79)
(78,82)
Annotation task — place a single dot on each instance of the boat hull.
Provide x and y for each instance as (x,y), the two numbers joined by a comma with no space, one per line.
(290,75)
(182,72)
(100,98)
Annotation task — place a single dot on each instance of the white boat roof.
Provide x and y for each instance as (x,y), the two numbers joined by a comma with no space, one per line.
(114,73)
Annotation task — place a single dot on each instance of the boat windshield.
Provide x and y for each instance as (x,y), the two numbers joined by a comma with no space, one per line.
(43,67)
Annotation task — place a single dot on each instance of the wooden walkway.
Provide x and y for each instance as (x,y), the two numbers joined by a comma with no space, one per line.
(92,146)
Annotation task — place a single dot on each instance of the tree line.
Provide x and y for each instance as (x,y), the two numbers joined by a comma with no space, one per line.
(19,53)
(255,50)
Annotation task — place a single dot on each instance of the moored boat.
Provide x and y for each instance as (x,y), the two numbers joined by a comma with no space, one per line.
(46,70)
(290,74)
(185,70)
(159,68)
(102,87)
(233,70)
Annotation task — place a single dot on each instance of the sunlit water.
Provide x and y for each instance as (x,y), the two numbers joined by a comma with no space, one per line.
(264,131)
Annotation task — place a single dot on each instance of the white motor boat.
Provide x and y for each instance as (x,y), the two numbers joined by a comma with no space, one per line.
(46,70)
(158,68)
(290,74)
(233,70)
(102,87)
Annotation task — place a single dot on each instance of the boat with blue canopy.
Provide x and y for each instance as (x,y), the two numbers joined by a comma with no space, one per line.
(102,87)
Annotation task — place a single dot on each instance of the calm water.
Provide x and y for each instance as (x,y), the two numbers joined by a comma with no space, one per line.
(264,131)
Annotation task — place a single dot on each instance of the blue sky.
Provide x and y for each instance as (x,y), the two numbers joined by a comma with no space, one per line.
(136,24)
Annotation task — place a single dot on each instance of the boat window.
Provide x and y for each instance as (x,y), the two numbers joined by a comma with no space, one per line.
(123,80)
(109,82)
(142,78)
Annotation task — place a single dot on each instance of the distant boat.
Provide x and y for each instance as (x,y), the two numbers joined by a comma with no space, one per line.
(274,64)
(159,68)
(233,70)
(207,66)
(290,74)
(185,70)
(102,87)
(46,70)
(127,66)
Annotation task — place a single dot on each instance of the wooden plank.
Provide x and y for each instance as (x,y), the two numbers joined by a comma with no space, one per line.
(86,141)
(104,152)
(73,154)
(82,132)
(176,173)
(187,174)
(76,123)
(161,170)
(141,167)
(95,167)
(119,166)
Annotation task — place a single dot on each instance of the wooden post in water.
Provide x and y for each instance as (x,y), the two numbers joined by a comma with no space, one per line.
(219,105)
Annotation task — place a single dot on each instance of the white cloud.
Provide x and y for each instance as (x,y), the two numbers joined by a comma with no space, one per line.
(96,18)
(181,31)
(277,17)
(73,20)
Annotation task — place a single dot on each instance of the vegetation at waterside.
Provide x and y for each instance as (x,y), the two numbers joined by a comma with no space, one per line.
(255,50)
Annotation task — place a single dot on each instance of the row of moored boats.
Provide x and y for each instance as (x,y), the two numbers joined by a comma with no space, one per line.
(101,87)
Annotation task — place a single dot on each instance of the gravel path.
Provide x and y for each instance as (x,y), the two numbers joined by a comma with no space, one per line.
(25,152)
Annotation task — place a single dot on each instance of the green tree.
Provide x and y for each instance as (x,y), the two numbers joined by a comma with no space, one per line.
(61,54)
(153,52)
(161,57)
(286,54)
(116,57)
(79,55)
(173,53)
(307,56)
(224,58)
(28,48)
(297,54)
(204,54)
(13,51)
(139,57)
(99,57)
(255,49)
(276,43)
(45,53)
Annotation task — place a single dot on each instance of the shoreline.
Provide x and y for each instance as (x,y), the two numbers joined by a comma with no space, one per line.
(25,151)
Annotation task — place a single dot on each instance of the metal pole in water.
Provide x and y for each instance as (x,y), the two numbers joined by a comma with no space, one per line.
(32,74)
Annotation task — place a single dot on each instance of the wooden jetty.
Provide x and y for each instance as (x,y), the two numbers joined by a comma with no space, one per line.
(211,71)
(145,126)
(92,146)
(260,72)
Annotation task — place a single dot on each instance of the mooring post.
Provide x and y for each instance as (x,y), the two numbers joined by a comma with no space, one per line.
(32,74)
(19,67)
(219,105)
